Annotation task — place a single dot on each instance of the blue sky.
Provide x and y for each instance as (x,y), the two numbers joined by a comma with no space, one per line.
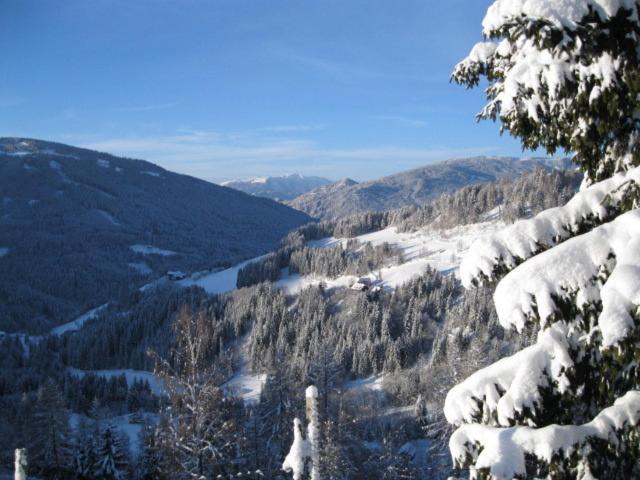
(225,89)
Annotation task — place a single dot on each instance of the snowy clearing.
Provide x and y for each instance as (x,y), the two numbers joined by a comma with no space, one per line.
(222,281)
(103,163)
(442,250)
(151,250)
(4,251)
(75,325)
(150,173)
(372,383)
(246,386)
(17,154)
(243,383)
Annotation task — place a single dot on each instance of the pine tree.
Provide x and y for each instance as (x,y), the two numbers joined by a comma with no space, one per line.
(562,74)
(150,463)
(111,455)
(48,433)
(84,450)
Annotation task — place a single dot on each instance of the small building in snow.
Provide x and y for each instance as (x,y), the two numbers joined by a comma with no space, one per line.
(175,275)
(362,284)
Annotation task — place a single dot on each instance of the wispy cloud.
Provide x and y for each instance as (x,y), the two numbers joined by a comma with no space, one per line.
(344,70)
(147,108)
(403,121)
(214,156)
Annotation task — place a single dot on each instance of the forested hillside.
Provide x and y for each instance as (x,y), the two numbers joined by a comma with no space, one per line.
(414,187)
(79,227)
(382,357)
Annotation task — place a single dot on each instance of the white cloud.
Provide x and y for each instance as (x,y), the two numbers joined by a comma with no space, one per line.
(216,157)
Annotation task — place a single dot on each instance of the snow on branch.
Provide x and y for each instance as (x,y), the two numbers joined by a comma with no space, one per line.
(511,385)
(560,13)
(299,453)
(501,252)
(504,449)
(608,254)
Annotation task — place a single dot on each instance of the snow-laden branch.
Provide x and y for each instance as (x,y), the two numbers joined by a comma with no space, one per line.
(299,453)
(560,13)
(501,252)
(578,267)
(513,384)
(503,449)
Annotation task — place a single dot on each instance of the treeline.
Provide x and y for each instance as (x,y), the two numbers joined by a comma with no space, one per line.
(351,258)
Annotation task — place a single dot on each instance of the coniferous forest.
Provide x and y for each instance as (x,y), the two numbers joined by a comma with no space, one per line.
(158,326)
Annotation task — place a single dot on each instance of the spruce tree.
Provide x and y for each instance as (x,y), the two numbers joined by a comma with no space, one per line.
(49,440)
(562,74)
(111,456)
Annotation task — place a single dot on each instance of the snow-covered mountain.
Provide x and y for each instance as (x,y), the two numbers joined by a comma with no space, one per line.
(414,187)
(78,227)
(285,187)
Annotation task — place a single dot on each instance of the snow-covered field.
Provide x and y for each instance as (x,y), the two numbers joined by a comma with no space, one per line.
(4,251)
(151,250)
(74,325)
(218,282)
(440,249)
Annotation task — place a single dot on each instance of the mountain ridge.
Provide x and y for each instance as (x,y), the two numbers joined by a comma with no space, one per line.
(76,226)
(281,188)
(413,187)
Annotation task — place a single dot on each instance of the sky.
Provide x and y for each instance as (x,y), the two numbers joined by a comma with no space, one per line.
(231,89)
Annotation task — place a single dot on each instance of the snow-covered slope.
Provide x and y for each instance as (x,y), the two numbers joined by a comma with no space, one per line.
(414,187)
(285,187)
(441,250)
(73,220)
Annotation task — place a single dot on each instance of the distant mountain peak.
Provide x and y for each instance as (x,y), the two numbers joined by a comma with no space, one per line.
(282,187)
